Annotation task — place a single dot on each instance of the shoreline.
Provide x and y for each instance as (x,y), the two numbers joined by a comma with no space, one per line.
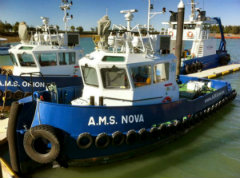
(15,39)
(12,39)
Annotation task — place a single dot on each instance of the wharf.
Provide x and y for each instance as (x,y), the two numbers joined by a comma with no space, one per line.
(217,72)
(3,131)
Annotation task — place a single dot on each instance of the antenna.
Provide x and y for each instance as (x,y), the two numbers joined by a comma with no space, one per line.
(128,16)
(66,6)
(106,11)
(152,14)
(193,10)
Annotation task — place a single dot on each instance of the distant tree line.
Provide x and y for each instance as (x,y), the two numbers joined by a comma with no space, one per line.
(6,27)
(226,29)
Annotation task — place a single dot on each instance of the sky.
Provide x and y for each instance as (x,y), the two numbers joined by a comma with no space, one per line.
(86,13)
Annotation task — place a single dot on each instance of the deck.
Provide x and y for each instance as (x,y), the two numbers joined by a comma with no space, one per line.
(217,72)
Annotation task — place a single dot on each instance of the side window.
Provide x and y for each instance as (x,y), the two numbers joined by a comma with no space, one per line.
(161,72)
(141,75)
(67,58)
(13,59)
(47,59)
(90,76)
(26,60)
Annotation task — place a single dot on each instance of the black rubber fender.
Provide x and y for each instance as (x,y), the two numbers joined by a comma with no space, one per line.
(143,134)
(131,137)
(118,138)
(154,131)
(17,95)
(84,140)
(3,71)
(36,141)
(8,94)
(26,94)
(194,67)
(12,136)
(1,93)
(102,140)
(162,129)
(188,69)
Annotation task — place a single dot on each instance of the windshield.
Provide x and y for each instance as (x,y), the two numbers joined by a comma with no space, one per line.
(114,78)
(26,60)
(90,75)
(141,75)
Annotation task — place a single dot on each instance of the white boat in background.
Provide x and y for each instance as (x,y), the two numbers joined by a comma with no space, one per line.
(43,57)
(197,30)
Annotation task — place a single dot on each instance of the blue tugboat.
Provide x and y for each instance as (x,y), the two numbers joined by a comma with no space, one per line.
(130,101)
(203,54)
(42,58)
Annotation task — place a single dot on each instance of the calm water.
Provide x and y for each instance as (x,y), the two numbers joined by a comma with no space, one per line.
(211,150)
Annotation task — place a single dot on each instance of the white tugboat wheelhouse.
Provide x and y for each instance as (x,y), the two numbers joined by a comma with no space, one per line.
(131,69)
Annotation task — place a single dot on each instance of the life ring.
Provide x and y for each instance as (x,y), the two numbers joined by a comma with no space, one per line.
(167,99)
(84,140)
(171,33)
(190,34)
(143,133)
(102,140)
(118,138)
(8,94)
(132,137)
(18,95)
(36,144)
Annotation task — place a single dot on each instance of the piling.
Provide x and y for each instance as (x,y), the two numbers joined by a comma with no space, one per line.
(180,21)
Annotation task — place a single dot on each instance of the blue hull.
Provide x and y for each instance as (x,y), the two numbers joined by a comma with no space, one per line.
(207,62)
(23,83)
(72,121)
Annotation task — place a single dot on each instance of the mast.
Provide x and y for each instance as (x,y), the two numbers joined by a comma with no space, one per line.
(193,7)
(152,14)
(66,6)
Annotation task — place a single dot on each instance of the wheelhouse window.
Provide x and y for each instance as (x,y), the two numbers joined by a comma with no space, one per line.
(13,59)
(89,75)
(114,78)
(141,75)
(26,60)
(47,59)
(67,58)
(161,72)
(113,59)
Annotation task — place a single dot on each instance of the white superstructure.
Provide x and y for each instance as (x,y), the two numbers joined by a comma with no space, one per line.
(196,29)
(46,52)
(133,70)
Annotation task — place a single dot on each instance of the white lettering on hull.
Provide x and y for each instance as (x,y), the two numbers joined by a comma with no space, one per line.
(111,120)
(23,84)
